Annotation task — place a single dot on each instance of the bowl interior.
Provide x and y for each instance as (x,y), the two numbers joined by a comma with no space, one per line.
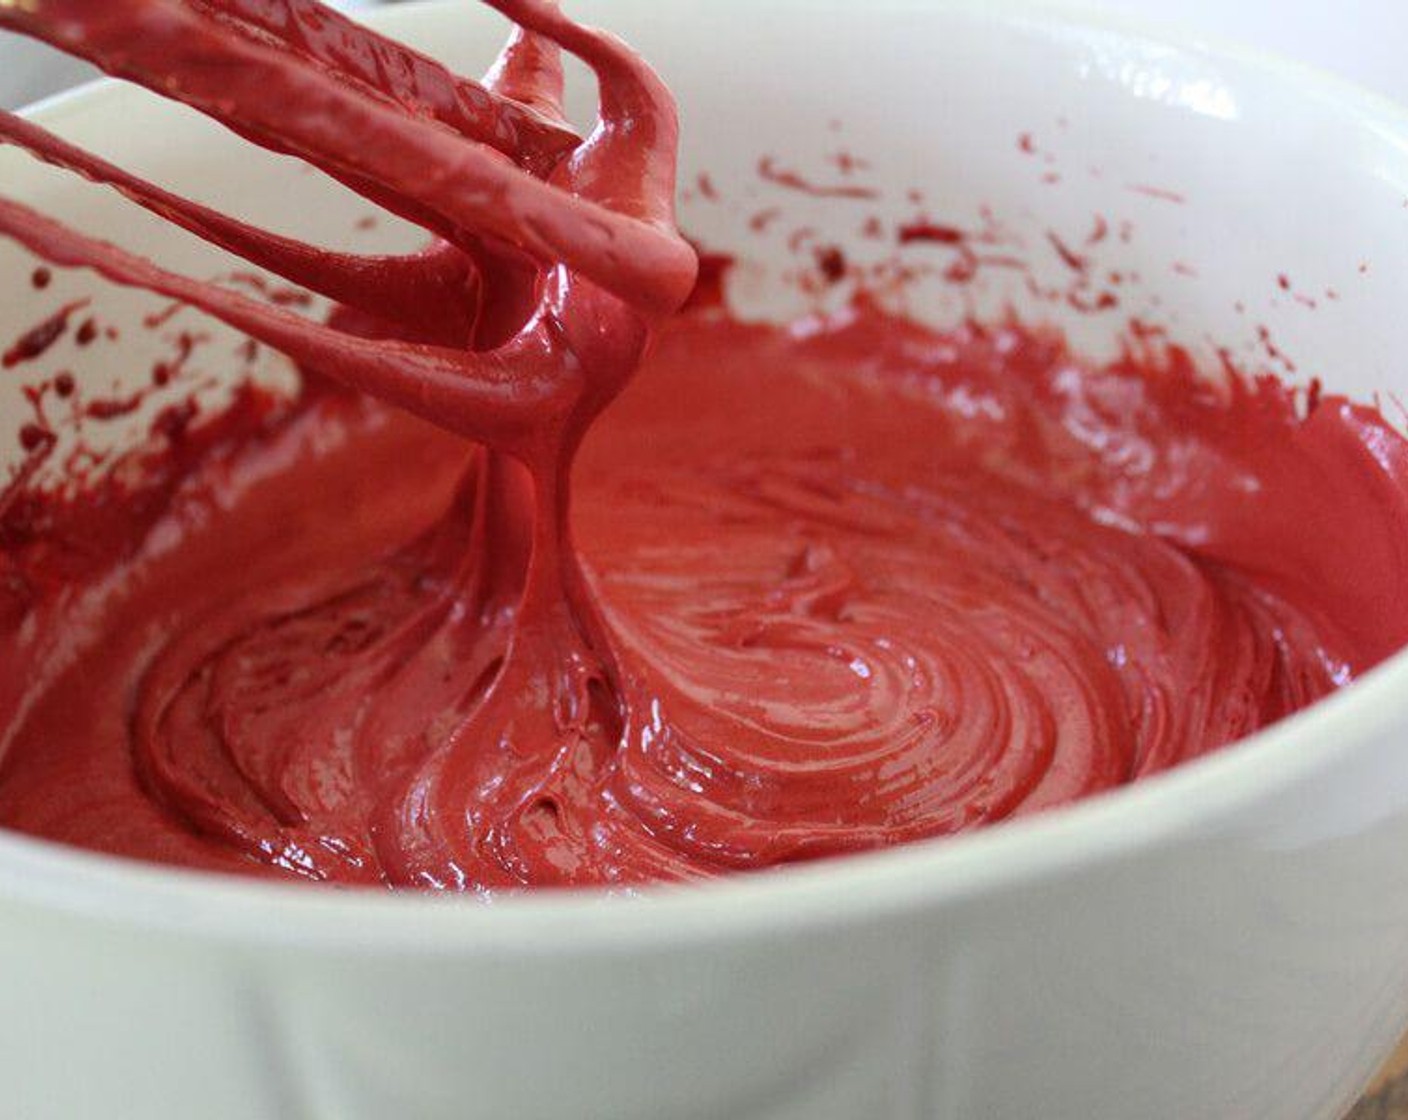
(1102,177)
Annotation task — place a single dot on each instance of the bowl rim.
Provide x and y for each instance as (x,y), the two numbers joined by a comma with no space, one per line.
(924,875)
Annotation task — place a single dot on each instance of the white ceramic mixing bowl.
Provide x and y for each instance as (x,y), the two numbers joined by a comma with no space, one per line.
(1229,942)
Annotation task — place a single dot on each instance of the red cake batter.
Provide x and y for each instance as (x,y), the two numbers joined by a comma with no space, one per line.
(814,592)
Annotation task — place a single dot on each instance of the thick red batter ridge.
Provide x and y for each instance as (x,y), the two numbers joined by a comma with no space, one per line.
(815,590)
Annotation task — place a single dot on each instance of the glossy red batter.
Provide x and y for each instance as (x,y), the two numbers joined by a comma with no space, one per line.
(816,590)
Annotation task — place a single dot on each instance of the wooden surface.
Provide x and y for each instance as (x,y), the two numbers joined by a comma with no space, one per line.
(1388,1098)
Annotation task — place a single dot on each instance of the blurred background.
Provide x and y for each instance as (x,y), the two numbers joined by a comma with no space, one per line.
(1361,39)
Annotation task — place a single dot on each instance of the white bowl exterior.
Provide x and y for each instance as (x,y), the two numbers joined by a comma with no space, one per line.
(1231,941)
